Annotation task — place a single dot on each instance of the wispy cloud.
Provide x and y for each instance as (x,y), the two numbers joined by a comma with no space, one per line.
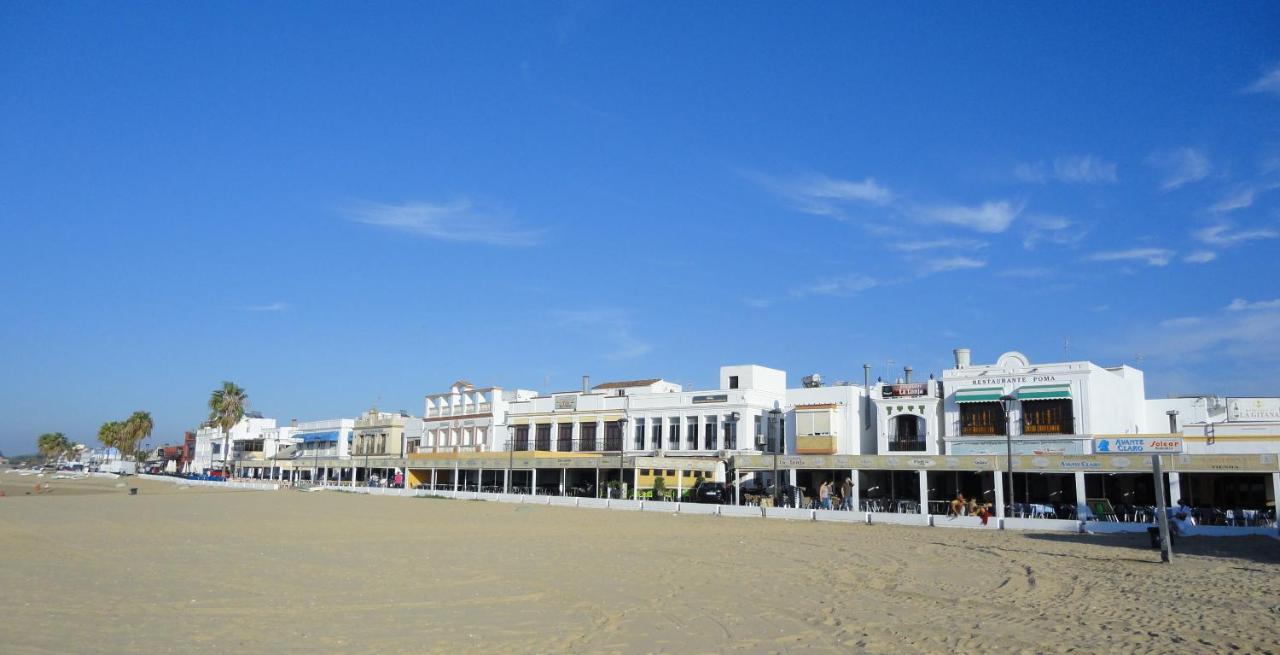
(1052,229)
(459,220)
(991,217)
(1200,257)
(842,286)
(1026,272)
(1180,167)
(1152,256)
(268,307)
(1240,304)
(1233,334)
(615,328)
(1238,199)
(950,264)
(824,196)
(1268,83)
(758,303)
(1221,235)
(938,244)
(1075,169)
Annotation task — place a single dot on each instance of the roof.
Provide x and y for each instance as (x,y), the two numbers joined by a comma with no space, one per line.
(625,384)
(818,406)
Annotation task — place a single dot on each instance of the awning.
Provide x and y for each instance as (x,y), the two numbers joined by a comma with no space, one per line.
(983,395)
(1045,392)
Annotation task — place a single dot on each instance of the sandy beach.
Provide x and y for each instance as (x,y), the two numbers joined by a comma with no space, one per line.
(90,569)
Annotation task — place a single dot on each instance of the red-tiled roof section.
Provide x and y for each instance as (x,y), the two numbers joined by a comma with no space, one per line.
(625,384)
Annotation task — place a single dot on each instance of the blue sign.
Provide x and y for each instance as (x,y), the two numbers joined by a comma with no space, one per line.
(1138,445)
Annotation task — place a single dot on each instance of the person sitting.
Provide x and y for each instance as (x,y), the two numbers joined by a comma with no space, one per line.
(957,506)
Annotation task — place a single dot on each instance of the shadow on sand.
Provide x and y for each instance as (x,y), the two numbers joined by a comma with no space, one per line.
(1137,547)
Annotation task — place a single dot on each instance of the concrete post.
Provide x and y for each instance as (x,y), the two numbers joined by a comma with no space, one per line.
(999,477)
(1175,488)
(635,488)
(533,482)
(855,502)
(924,491)
(1082,502)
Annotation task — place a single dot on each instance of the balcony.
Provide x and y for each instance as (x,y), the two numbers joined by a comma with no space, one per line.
(1060,426)
(816,445)
(907,445)
(588,445)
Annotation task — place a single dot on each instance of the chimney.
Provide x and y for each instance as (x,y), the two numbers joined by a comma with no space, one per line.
(293,422)
(962,357)
(907,370)
(586,384)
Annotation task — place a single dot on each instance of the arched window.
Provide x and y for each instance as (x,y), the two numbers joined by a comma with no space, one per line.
(907,432)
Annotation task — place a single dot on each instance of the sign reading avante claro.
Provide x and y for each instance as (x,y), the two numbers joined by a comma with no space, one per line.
(1121,445)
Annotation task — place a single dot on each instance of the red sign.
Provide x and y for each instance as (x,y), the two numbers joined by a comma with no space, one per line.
(900,390)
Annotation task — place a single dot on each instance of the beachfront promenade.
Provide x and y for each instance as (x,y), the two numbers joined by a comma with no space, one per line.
(751,511)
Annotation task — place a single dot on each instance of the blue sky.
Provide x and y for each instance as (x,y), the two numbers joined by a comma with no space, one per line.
(336,205)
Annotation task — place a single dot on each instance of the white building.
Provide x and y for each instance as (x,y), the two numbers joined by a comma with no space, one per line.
(909,417)
(466,419)
(210,454)
(1056,408)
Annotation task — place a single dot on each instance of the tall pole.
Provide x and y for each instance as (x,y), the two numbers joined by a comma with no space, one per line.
(1007,402)
(1162,511)
(773,432)
(866,389)
(511,456)
(622,437)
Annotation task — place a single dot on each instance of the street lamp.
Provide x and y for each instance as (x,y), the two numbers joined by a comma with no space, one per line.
(622,437)
(775,419)
(1007,401)
(511,455)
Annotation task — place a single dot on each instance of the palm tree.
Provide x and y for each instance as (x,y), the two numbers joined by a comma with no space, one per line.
(53,444)
(110,434)
(136,428)
(226,408)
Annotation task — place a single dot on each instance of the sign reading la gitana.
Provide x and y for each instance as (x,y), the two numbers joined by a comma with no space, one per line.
(1137,445)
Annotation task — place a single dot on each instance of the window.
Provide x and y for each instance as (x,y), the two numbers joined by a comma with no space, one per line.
(709,436)
(673,433)
(522,437)
(907,433)
(656,434)
(639,442)
(1047,417)
(978,419)
(587,440)
(693,433)
(217,448)
(564,437)
(543,438)
(733,382)
(671,473)
(613,435)
(813,423)
(731,435)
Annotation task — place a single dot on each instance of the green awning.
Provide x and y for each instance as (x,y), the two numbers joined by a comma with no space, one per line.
(983,395)
(1045,392)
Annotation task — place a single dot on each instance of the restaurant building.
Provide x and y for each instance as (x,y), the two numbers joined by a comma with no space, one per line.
(209,453)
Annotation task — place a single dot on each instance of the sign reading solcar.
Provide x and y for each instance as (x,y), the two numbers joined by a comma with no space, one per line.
(1138,445)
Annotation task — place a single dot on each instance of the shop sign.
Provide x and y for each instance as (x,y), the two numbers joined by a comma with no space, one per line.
(711,398)
(1137,445)
(901,390)
(1253,409)
(567,402)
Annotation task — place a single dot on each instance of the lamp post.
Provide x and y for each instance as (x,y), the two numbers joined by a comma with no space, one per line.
(775,418)
(1007,401)
(622,437)
(511,456)
(733,425)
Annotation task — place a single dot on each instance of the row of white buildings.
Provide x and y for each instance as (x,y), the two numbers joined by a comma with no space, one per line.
(907,445)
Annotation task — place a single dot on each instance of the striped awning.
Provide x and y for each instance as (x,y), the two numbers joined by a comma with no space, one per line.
(1045,392)
(983,395)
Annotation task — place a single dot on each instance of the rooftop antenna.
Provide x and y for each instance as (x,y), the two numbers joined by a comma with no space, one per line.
(1066,348)
(1138,357)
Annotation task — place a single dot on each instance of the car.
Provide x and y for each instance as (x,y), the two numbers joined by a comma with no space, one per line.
(705,491)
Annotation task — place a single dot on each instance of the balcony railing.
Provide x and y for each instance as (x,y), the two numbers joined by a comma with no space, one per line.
(982,430)
(907,445)
(1062,426)
(588,445)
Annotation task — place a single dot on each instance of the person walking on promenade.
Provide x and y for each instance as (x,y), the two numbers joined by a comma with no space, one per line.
(846,492)
(824,494)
